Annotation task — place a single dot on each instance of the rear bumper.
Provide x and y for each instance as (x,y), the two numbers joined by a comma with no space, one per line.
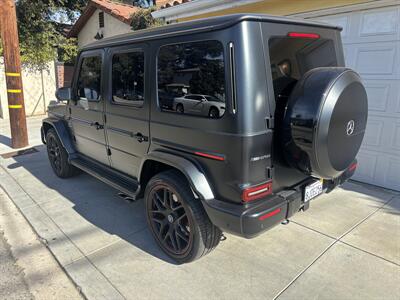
(250,220)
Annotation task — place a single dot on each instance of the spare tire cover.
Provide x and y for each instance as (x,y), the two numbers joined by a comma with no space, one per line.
(324,121)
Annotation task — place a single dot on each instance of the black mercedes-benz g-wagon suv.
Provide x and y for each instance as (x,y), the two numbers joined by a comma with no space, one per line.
(230,124)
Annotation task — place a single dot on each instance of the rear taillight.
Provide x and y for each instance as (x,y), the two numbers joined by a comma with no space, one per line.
(256,192)
(304,35)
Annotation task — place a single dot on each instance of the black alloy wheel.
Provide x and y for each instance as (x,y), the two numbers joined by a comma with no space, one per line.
(54,153)
(177,219)
(58,156)
(170,221)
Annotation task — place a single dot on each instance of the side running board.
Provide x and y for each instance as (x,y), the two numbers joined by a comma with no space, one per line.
(118,180)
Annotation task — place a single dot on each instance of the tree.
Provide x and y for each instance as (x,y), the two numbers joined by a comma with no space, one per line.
(144,3)
(143,19)
(40,26)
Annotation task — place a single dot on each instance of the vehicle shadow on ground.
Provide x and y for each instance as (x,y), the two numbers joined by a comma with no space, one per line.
(389,199)
(104,212)
(92,200)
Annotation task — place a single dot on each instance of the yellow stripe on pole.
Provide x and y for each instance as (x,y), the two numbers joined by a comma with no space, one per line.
(14,91)
(10,74)
(15,106)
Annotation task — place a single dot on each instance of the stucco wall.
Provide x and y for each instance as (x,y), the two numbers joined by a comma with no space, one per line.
(112,26)
(39,90)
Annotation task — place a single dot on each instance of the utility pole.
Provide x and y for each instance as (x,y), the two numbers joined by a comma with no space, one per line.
(12,66)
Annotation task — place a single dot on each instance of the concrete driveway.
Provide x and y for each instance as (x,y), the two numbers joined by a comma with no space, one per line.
(346,246)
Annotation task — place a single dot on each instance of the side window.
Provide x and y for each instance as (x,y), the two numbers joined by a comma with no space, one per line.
(89,80)
(198,98)
(128,78)
(195,69)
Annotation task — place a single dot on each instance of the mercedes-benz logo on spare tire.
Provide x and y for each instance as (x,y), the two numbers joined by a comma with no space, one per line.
(350,127)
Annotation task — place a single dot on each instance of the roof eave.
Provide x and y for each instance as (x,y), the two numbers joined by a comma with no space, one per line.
(82,20)
(112,13)
(196,7)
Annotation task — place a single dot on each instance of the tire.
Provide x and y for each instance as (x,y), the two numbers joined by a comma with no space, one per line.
(180,109)
(58,157)
(213,113)
(177,220)
(324,122)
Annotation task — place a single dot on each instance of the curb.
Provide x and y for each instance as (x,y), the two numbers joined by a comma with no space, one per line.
(43,275)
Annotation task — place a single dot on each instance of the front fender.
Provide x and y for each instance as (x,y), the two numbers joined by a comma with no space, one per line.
(62,130)
(196,178)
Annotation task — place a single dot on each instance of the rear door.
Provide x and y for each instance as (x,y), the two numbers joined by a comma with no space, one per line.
(86,111)
(127,108)
(291,51)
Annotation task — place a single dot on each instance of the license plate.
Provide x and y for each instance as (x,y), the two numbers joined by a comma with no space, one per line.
(313,190)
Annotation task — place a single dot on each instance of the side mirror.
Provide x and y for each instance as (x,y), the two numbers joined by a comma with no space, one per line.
(64,94)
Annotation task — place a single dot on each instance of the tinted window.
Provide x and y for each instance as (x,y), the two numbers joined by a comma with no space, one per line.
(128,78)
(196,69)
(89,80)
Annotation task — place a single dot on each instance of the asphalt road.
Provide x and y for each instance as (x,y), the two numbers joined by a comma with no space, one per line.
(12,284)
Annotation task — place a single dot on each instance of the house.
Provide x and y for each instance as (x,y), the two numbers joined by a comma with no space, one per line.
(105,18)
(102,18)
(371,41)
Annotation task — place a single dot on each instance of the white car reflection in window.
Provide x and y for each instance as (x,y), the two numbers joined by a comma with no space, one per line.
(203,105)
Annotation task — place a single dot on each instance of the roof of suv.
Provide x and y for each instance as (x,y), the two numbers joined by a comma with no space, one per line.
(200,25)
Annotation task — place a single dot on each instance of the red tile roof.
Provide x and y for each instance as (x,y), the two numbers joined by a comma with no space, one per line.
(168,3)
(162,3)
(122,12)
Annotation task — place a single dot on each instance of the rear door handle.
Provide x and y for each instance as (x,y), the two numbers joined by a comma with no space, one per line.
(141,138)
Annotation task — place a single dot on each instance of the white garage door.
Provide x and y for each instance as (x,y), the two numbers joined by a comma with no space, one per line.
(371,42)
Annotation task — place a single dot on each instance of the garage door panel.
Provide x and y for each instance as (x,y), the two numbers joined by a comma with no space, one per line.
(392,179)
(383,96)
(378,170)
(367,162)
(349,55)
(373,133)
(362,26)
(381,135)
(378,95)
(398,99)
(387,172)
(395,141)
(379,23)
(374,60)
(377,61)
